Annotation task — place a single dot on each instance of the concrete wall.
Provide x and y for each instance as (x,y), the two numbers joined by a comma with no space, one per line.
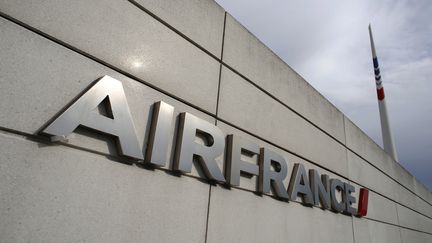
(198,58)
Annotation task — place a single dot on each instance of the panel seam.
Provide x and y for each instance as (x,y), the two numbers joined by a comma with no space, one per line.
(208,214)
(43,140)
(352,224)
(220,68)
(85,54)
(257,86)
(123,160)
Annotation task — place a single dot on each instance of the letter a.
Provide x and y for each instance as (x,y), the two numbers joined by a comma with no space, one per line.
(81,112)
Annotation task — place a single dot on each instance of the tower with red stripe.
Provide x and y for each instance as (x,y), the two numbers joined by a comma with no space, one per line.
(387,136)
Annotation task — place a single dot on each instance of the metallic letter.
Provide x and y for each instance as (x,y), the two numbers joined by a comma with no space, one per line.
(336,184)
(349,199)
(187,148)
(299,184)
(320,188)
(268,176)
(81,113)
(234,163)
(159,136)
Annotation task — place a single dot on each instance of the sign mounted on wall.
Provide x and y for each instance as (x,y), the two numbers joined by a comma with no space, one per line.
(271,169)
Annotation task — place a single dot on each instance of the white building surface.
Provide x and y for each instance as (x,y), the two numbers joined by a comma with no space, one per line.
(197,58)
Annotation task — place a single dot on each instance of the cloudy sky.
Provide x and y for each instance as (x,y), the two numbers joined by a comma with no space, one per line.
(327,42)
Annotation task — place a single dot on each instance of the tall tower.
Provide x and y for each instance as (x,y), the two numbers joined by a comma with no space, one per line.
(387,136)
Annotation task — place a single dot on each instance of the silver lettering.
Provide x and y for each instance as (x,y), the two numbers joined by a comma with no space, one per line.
(299,184)
(337,186)
(187,148)
(159,136)
(274,177)
(81,112)
(237,146)
(349,199)
(320,189)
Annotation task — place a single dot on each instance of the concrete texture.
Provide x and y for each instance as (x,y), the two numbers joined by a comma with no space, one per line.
(200,20)
(238,216)
(133,42)
(268,119)
(39,93)
(365,174)
(404,177)
(368,231)
(413,220)
(423,206)
(359,142)
(79,191)
(246,54)
(421,189)
(382,209)
(408,199)
(58,194)
(410,236)
(251,183)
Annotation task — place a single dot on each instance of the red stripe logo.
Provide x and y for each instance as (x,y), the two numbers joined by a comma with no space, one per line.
(380,93)
(363,202)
